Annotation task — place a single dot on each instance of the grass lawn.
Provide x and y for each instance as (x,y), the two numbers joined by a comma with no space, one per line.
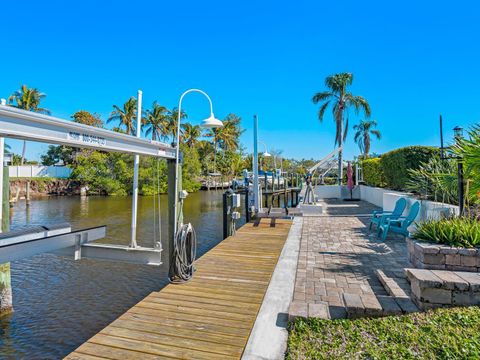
(438,334)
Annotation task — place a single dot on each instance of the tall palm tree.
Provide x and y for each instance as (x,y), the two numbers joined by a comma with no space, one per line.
(172,118)
(190,134)
(28,99)
(125,116)
(157,121)
(362,135)
(341,100)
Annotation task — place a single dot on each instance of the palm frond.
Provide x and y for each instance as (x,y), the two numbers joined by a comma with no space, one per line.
(322,109)
(321,96)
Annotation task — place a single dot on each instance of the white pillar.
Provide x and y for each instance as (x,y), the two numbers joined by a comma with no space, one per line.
(133,238)
(256,183)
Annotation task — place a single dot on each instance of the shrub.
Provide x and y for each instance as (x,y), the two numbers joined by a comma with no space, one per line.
(397,163)
(457,231)
(436,180)
(372,172)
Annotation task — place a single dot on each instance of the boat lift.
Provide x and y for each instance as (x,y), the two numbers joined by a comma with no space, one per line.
(26,125)
(325,165)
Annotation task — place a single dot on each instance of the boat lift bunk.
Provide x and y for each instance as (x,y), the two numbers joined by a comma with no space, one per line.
(25,125)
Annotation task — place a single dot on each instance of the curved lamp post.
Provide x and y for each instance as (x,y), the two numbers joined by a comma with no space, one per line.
(209,123)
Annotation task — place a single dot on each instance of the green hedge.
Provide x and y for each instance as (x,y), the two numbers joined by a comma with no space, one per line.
(372,172)
(391,170)
(395,164)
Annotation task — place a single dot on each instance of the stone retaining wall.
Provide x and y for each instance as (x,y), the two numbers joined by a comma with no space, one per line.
(440,288)
(425,255)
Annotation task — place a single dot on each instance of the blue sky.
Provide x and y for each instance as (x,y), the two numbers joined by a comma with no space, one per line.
(412,60)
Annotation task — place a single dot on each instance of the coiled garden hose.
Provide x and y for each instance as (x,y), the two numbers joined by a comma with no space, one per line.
(184,254)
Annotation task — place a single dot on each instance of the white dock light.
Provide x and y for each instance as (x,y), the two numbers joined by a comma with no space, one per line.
(211,122)
(265,153)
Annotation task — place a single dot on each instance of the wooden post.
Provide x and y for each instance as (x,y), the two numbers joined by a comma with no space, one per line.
(27,193)
(225,215)
(6,301)
(247,207)
(172,198)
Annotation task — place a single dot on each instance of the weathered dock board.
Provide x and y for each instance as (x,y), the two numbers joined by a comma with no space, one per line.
(211,316)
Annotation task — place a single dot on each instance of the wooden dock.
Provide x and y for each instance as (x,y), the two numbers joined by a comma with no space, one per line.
(211,316)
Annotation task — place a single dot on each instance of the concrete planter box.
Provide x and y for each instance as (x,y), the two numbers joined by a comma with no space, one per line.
(424,255)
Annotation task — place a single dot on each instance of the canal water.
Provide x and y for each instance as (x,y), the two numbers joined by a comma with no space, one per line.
(60,303)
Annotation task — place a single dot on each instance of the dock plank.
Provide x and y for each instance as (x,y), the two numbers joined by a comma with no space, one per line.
(211,316)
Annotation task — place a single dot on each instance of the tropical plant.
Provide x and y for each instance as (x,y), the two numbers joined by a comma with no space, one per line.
(125,115)
(28,99)
(191,134)
(214,133)
(341,100)
(205,153)
(157,122)
(435,179)
(455,231)
(87,118)
(468,151)
(172,119)
(229,133)
(362,135)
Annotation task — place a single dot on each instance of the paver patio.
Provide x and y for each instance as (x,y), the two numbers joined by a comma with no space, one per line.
(338,261)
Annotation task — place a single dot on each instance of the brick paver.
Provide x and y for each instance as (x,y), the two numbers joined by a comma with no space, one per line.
(338,255)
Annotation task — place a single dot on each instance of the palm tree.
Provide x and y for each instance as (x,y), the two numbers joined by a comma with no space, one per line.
(125,116)
(191,133)
(341,101)
(229,134)
(28,99)
(214,133)
(172,118)
(362,135)
(157,122)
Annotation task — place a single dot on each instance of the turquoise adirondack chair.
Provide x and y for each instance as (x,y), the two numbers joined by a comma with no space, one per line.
(379,216)
(401,224)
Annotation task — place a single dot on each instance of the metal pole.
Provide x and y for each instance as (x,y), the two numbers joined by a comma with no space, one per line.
(177,153)
(461,188)
(256,191)
(136,161)
(441,138)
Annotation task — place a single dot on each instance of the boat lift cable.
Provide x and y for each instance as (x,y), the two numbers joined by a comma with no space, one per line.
(184,252)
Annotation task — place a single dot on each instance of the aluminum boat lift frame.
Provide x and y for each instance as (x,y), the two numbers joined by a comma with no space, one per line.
(25,125)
